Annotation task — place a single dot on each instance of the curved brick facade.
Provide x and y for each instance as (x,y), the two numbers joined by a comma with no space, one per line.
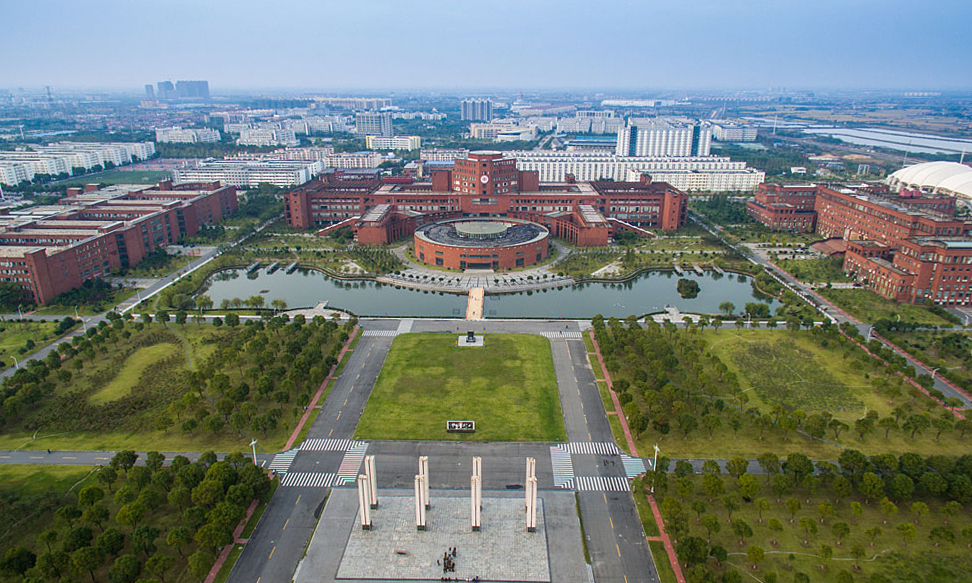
(497,254)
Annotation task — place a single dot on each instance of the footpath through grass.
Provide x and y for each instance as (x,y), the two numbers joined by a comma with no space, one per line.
(869,307)
(508,387)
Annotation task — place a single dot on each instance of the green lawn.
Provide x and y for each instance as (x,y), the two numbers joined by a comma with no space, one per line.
(507,387)
(132,369)
(815,270)
(868,306)
(58,479)
(665,572)
(119,177)
(114,299)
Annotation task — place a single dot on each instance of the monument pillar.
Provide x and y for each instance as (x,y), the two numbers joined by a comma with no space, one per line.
(532,504)
(424,472)
(364,502)
(476,491)
(369,464)
(419,503)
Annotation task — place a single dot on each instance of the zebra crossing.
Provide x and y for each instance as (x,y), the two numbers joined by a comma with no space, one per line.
(590,448)
(307,480)
(600,484)
(633,467)
(561,335)
(281,462)
(404,326)
(348,472)
(563,467)
(328,444)
(379,333)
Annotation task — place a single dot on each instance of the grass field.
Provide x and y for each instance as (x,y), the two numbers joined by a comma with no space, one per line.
(790,549)
(868,306)
(132,369)
(507,387)
(115,298)
(815,270)
(119,177)
(58,479)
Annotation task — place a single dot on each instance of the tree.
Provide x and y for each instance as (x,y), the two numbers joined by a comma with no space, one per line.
(755,554)
(792,506)
(124,459)
(941,424)
(840,529)
(110,542)
(213,537)
(17,560)
(159,564)
(889,509)
(872,487)
(887,424)
(873,533)
(130,514)
(940,534)
(88,559)
(125,569)
(199,563)
(143,539)
(727,308)
(67,515)
(901,487)
(762,504)
(154,460)
(53,564)
(920,510)
(742,530)
(737,466)
(710,522)
(748,486)
(809,527)
(698,506)
(907,532)
(179,537)
(916,423)
(798,466)
(48,537)
(729,503)
(713,485)
(691,550)
(769,463)
(89,495)
(97,514)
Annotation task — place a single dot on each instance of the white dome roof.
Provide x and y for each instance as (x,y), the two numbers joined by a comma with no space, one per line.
(941,177)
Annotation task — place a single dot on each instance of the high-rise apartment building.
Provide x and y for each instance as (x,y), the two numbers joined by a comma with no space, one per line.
(663,137)
(477,110)
(373,123)
(192,89)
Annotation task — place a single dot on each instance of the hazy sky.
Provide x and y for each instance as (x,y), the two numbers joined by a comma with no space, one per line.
(511,44)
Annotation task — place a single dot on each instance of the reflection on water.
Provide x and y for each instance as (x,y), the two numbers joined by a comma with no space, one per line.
(651,292)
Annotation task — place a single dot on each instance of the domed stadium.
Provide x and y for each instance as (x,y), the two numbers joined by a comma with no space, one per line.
(935,177)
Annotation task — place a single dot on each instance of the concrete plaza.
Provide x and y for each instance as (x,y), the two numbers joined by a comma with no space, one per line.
(395,551)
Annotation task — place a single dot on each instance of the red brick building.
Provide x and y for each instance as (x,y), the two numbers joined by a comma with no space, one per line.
(494,244)
(784,207)
(486,185)
(52,250)
(909,247)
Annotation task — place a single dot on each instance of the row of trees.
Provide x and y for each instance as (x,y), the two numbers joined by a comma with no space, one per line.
(149,521)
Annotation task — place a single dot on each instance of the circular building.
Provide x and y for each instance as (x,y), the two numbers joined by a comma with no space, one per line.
(481,243)
(936,177)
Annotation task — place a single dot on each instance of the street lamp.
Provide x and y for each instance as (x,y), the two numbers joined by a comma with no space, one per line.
(83,323)
(20,313)
(253,445)
(16,364)
(654,467)
(934,370)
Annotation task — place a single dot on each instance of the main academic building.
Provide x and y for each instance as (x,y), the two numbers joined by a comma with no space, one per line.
(485,185)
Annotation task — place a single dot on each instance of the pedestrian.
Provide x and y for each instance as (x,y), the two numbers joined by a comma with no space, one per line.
(48,452)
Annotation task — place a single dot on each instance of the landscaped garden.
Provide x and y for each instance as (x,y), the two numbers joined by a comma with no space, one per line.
(181,387)
(784,391)
(880,520)
(507,387)
(122,522)
(870,307)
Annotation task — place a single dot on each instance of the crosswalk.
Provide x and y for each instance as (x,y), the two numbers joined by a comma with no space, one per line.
(281,462)
(404,326)
(307,480)
(565,335)
(348,472)
(633,467)
(591,448)
(600,484)
(328,444)
(563,467)
(379,333)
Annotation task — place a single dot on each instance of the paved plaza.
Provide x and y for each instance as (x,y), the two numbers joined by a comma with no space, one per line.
(393,550)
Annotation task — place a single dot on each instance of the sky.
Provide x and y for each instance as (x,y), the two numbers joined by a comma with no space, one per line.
(457,45)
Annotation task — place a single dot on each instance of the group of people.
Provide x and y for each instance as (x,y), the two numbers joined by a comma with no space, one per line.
(449,561)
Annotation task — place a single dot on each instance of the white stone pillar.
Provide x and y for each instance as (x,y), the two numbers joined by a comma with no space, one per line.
(478,472)
(532,504)
(476,492)
(424,472)
(364,503)
(419,503)
(531,472)
(372,480)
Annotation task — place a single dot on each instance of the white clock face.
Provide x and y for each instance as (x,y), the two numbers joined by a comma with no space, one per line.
(484,179)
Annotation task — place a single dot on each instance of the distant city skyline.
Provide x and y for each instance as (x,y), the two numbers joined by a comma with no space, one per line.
(504,45)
